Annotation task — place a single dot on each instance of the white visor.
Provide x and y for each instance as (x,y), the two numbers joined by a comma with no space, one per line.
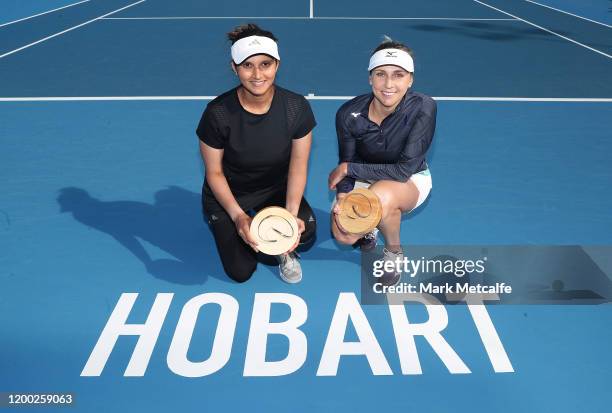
(252,45)
(394,57)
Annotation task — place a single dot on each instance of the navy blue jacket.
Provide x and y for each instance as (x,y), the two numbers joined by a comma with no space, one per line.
(395,150)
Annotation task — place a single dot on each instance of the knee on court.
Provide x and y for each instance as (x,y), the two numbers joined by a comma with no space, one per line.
(240,274)
(240,268)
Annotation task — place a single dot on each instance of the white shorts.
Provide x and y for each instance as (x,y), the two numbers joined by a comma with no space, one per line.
(422,180)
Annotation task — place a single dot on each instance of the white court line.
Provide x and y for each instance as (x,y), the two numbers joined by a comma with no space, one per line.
(546,30)
(300,18)
(100,98)
(310,96)
(503,99)
(311,9)
(571,14)
(67,30)
(412,18)
(40,14)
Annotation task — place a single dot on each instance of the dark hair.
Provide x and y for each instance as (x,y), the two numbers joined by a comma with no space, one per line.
(389,43)
(246,30)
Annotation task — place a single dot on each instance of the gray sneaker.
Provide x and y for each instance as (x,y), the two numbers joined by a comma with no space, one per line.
(393,277)
(289,268)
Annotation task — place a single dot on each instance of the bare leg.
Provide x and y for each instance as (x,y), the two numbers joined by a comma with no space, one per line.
(341,236)
(395,197)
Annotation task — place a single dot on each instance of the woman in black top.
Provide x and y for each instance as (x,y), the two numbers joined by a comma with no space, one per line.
(255,141)
(383,137)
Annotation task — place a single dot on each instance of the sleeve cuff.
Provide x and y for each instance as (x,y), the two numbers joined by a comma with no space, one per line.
(345,185)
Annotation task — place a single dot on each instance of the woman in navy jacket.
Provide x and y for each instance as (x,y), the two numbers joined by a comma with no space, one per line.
(383,137)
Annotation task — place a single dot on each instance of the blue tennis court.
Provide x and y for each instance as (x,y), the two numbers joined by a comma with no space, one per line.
(100,202)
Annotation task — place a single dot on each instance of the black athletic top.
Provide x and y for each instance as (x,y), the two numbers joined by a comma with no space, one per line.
(257,148)
(395,150)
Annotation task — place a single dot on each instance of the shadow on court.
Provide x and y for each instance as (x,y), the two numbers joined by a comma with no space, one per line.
(173,223)
(483,30)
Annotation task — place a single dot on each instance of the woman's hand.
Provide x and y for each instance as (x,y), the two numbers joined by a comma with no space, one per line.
(336,210)
(339,197)
(337,174)
(301,229)
(243,227)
